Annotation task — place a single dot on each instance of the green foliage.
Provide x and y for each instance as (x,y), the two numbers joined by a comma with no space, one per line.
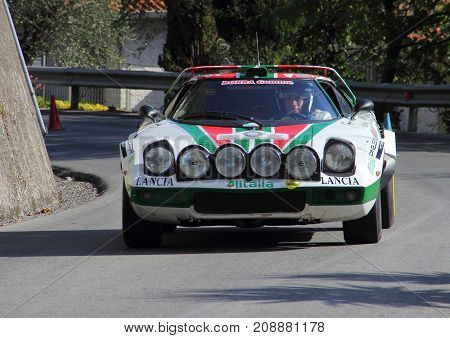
(397,40)
(445,117)
(192,37)
(65,104)
(42,102)
(77,33)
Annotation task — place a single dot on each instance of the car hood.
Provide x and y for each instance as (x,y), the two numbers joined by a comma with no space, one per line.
(180,135)
(362,132)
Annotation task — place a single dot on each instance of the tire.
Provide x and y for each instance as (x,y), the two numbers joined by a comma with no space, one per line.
(136,232)
(388,204)
(367,229)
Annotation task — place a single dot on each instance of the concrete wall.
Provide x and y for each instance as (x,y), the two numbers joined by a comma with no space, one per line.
(141,53)
(428,120)
(26,179)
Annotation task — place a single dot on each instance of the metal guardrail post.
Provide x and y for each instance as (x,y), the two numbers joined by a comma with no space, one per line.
(412,119)
(74,97)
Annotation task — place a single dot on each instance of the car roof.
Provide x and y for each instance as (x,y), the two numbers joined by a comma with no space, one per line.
(272,71)
(264,72)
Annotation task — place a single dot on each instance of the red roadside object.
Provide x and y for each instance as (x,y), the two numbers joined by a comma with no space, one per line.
(54,122)
(408,96)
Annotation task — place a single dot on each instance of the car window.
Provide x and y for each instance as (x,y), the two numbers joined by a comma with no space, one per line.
(183,91)
(328,88)
(344,105)
(270,101)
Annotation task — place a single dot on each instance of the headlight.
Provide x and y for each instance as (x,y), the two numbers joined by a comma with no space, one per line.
(339,157)
(158,160)
(194,163)
(301,163)
(230,161)
(265,161)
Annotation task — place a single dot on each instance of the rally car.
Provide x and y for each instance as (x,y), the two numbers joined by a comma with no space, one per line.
(258,145)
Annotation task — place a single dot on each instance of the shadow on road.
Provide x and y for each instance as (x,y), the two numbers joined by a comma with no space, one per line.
(394,290)
(182,241)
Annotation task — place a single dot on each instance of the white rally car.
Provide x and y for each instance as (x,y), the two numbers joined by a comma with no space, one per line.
(258,145)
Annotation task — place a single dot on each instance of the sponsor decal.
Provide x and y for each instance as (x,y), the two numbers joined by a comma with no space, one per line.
(151,181)
(371,165)
(259,82)
(130,147)
(292,184)
(238,82)
(380,149)
(373,147)
(276,82)
(331,180)
(253,134)
(254,184)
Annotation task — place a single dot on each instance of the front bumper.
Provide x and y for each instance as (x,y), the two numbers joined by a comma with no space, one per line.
(319,204)
(310,214)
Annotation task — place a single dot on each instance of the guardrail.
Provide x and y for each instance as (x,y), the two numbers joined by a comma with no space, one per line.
(404,95)
(398,95)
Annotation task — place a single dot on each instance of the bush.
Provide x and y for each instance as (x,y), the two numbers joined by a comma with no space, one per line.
(62,104)
(42,103)
(65,104)
(92,106)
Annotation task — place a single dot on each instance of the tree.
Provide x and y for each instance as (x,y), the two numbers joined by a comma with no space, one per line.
(395,37)
(77,33)
(192,37)
(26,179)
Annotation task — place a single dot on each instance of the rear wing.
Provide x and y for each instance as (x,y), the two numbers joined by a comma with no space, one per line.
(305,69)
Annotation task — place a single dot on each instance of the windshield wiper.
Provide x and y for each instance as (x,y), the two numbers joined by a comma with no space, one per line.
(220,114)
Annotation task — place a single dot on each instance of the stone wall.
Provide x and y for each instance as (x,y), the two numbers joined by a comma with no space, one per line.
(26,179)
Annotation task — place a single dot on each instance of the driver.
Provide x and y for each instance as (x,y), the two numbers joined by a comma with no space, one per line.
(296,103)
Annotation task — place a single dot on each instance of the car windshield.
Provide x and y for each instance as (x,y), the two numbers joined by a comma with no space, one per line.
(265,101)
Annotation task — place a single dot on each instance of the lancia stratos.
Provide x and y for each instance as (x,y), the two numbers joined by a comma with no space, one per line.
(257,146)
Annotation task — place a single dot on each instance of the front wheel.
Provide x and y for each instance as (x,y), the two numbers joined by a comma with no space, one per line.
(366,229)
(136,232)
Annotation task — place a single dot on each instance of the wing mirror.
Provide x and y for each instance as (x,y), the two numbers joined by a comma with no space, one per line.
(147,111)
(363,106)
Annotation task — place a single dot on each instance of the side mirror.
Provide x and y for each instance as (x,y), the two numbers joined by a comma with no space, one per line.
(150,112)
(363,105)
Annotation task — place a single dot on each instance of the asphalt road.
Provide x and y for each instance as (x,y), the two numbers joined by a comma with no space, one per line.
(74,264)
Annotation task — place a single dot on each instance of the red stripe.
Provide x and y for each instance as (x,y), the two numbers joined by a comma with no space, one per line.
(290,130)
(219,76)
(214,131)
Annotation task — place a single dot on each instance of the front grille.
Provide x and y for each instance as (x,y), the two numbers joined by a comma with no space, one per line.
(248,202)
